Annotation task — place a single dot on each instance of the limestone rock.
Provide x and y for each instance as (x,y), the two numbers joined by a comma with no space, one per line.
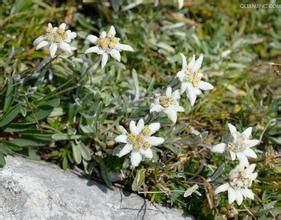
(38,190)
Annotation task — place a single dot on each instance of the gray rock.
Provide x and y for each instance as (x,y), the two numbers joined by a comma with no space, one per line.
(38,190)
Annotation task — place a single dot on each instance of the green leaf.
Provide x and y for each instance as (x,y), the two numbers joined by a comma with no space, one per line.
(60,137)
(276,140)
(41,113)
(37,135)
(10,116)
(32,153)
(64,163)
(5,149)
(17,127)
(2,160)
(104,172)
(44,109)
(174,197)
(9,95)
(85,151)
(22,142)
(115,5)
(166,47)
(52,102)
(76,152)
(217,173)
(190,190)
(72,111)
(64,137)
(20,5)
(138,180)
(88,129)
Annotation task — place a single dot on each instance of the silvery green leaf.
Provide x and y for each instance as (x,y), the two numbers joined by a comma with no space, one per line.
(76,152)
(85,151)
(138,180)
(166,47)
(190,190)
(217,173)
(61,137)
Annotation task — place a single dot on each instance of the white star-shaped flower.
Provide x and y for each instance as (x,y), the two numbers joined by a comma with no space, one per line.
(190,77)
(239,181)
(56,38)
(139,141)
(169,104)
(239,146)
(107,44)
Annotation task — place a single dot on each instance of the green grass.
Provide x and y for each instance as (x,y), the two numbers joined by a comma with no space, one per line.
(242,53)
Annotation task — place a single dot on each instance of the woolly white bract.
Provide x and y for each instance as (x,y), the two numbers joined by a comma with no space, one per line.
(56,38)
(190,77)
(169,104)
(239,146)
(240,179)
(180,4)
(107,44)
(139,141)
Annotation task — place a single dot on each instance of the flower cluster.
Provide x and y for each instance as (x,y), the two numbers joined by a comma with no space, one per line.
(168,103)
(107,44)
(56,38)
(240,179)
(60,38)
(191,76)
(139,140)
(239,145)
(190,79)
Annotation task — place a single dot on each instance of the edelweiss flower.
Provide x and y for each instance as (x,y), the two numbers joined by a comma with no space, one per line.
(240,179)
(107,44)
(168,104)
(139,141)
(239,146)
(56,38)
(190,77)
(180,4)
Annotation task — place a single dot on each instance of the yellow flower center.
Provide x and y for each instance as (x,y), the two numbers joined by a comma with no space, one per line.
(193,78)
(108,42)
(138,141)
(237,146)
(166,101)
(240,179)
(146,131)
(233,147)
(146,145)
(59,35)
